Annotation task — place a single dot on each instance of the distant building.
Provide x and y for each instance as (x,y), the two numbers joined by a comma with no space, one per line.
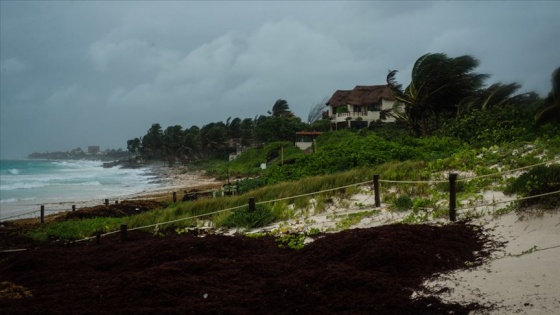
(361,106)
(93,149)
(305,139)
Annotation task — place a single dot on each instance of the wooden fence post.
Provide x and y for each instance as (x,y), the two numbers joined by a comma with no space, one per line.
(376,190)
(452,196)
(174,196)
(42,214)
(251,204)
(73,208)
(106,202)
(123,232)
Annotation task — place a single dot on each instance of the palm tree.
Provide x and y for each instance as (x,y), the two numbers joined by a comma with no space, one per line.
(152,142)
(133,145)
(281,109)
(234,127)
(191,141)
(214,137)
(173,140)
(551,110)
(496,95)
(437,85)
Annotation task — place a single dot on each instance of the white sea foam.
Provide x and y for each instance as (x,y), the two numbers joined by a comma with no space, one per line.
(55,182)
(94,183)
(8,200)
(21,185)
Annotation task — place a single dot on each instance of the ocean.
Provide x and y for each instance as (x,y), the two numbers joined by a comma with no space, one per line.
(25,185)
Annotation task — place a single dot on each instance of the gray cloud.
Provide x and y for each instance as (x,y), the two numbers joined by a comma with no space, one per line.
(82,73)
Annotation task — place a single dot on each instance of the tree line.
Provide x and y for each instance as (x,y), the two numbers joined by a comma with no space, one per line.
(216,139)
(445,97)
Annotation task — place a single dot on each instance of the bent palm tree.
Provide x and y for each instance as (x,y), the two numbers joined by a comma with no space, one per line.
(281,109)
(437,85)
(496,95)
(551,111)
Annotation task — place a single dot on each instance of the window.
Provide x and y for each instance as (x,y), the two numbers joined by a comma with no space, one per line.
(375,107)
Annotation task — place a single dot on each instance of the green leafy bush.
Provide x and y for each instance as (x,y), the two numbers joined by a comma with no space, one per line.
(419,203)
(539,180)
(403,203)
(249,184)
(293,241)
(242,218)
(344,150)
(502,124)
(75,229)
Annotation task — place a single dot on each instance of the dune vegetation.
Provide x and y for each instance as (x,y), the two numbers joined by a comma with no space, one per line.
(447,120)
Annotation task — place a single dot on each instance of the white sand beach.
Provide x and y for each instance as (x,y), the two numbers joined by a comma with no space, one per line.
(523,277)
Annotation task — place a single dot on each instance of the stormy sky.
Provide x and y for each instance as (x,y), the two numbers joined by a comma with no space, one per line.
(75,74)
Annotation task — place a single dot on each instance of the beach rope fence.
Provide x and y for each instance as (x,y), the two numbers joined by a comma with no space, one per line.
(52,208)
(375,188)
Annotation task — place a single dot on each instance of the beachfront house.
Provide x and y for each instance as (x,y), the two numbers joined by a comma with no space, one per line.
(359,107)
(305,140)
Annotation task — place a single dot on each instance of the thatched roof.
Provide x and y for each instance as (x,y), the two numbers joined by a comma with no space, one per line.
(361,95)
(338,98)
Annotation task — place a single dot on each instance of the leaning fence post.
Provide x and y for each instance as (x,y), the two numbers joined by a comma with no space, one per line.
(123,232)
(174,196)
(42,214)
(376,190)
(452,196)
(251,204)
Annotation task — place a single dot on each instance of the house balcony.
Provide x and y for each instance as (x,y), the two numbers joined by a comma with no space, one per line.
(342,117)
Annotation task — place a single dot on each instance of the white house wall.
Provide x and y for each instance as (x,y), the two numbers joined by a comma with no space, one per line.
(369,116)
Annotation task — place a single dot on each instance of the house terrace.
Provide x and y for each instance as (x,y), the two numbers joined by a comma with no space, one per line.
(361,106)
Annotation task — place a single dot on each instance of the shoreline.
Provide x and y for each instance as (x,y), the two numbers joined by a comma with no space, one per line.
(175,179)
(169,180)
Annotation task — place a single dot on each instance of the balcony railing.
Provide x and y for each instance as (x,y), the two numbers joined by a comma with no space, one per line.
(369,116)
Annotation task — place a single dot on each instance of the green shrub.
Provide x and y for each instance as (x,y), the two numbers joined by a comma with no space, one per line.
(539,180)
(421,203)
(75,229)
(242,218)
(341,109)
(293,241)
(249,184)
(403,203)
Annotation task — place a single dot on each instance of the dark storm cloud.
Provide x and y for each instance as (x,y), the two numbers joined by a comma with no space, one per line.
(83,73)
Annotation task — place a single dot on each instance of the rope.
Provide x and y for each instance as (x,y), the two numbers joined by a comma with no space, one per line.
(413,181)
(333,189)
(508,171)
(312,193)
(19,215)
(507,201)
(224,210)
(13,250)
(187,218)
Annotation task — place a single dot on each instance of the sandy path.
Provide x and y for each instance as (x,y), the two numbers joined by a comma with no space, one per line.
(523,278)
